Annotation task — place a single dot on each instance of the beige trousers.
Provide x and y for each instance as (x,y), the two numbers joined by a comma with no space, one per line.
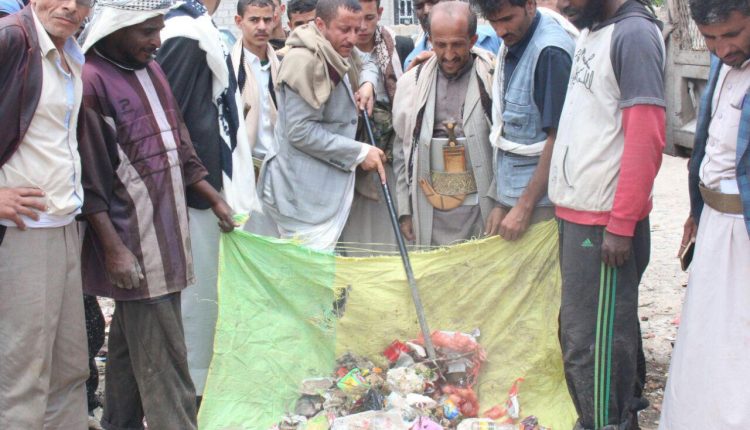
(43,349)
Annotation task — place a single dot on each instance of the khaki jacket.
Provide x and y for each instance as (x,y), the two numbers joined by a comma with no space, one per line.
(413,116)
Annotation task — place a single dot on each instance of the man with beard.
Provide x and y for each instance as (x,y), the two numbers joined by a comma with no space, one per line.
(369,228)
(528,95)
(442,154)
(486,37)
(307,183)
(200,72)
(710,373)
(256,67)
(42,334)
(606,156)
(137,161)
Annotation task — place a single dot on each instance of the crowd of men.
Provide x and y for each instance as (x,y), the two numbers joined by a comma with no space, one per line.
(132,136)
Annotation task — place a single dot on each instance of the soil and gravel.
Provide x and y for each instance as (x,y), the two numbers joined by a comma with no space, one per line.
(663,285)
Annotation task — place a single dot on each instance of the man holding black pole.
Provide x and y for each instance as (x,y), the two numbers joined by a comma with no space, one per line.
(307,181)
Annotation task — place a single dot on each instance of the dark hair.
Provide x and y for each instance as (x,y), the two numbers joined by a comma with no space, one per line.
(715,11)
(377,2)
(488,8)
(327,10)
(243,4)
(449,7)
(300,6)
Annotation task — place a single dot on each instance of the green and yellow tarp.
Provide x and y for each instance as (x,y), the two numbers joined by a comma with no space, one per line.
(277,324)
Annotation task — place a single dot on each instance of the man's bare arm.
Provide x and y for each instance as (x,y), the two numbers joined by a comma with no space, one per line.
(516,222)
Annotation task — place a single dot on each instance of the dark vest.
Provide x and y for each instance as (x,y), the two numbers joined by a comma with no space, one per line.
(20,79)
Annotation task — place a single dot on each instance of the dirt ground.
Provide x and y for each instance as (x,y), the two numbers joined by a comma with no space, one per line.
(663,285)
(661,291)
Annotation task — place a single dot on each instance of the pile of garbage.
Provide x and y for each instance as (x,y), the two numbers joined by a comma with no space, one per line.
(412,393)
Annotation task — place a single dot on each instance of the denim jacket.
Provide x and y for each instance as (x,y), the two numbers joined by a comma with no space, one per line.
(699,148)
(522,120)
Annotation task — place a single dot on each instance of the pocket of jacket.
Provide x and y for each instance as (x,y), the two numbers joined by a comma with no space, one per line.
(516,119)
(317,180)
(565,167)
(516,172)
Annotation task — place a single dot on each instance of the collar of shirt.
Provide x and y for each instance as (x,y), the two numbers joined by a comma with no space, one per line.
(484,35)
(425,42)
(250,57)
(254,60)
(46,45)
(723,71)
(518,49)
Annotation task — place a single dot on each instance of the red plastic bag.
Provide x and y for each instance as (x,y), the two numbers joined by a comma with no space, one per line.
(465,398)
(511,410)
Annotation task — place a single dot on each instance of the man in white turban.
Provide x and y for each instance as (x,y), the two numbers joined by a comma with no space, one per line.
(137,162)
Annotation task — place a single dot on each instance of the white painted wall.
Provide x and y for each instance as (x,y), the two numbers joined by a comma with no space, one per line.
(224,16)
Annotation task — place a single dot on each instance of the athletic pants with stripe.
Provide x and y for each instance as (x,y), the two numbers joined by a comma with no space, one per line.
(599,327)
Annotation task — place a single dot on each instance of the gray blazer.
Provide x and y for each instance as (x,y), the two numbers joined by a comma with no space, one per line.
(304,177)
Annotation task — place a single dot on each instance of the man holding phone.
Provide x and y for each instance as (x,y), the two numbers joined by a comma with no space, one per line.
(710,357)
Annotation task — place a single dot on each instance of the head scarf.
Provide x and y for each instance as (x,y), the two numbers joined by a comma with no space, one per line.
(312,67)
(112,15)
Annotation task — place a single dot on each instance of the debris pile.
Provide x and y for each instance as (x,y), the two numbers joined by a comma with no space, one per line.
(413,393)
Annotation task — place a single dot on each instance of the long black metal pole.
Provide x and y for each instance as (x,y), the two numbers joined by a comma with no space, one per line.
(404,255)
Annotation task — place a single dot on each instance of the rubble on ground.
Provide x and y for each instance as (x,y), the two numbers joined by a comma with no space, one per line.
(412,393)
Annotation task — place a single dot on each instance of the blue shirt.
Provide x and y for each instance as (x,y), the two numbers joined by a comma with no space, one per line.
(8,7)
(487,39)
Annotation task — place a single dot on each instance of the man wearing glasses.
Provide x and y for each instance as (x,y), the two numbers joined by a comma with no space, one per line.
(42,334)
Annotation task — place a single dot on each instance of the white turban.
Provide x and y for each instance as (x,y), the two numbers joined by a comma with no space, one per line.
(112,15)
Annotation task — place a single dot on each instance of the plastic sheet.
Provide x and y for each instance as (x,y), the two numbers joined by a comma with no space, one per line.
(277,320)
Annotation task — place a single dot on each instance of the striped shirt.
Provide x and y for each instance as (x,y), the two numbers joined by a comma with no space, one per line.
(137,159)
